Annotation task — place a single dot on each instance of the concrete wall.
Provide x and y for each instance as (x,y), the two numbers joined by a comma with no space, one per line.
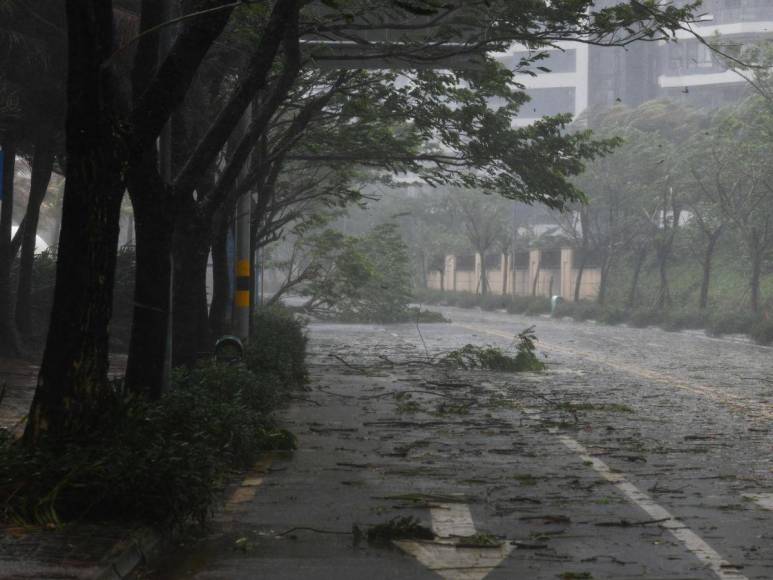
(557,279)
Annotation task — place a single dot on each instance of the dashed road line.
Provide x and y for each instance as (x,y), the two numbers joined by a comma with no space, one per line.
(452,522)
(755,411)
(692,541)
(764,500)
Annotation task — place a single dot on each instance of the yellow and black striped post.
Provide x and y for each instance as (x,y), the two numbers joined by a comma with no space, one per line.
(243,281)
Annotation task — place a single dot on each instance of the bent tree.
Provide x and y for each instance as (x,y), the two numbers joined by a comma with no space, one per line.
(106,138)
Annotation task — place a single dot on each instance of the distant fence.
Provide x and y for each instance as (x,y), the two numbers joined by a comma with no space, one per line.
(536,272)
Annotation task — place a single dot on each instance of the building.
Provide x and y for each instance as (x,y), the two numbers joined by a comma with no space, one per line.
(688,71)
(536,272)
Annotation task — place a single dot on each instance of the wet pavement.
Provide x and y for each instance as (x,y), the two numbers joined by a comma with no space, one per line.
(638,454)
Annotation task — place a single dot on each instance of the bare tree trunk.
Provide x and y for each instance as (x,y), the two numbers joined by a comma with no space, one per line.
(191,322)
(535,282)
(9,339)
(153,214)
(633,293)
(754,280)
(72,386)
(578,278)
(606,266)
(664,292)
(708,258)
(42,166)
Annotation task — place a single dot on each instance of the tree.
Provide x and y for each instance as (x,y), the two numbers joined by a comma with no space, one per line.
(109,144)
(72,387)
(738,145)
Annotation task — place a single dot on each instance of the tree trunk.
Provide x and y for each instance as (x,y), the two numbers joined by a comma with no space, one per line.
(708,257)
(219,311)
(42,165)
(535,282)
(578,278)
(153,214)
(191,325)
(754,280)
(72,385)
(505,271)
(9,340)
(633,293)
(664,292)
(606,266)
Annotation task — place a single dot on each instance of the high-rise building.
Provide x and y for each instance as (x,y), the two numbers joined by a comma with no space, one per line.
(583,76)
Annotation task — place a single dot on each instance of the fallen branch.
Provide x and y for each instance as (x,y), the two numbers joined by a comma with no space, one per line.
(628,524)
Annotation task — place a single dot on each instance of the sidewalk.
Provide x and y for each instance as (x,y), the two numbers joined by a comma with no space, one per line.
(75,551)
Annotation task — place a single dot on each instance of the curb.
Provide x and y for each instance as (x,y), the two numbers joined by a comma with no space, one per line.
(128,554)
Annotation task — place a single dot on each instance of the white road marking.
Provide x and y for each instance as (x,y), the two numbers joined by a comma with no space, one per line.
(452,522)
(453,519)
(678,529)
(763,499)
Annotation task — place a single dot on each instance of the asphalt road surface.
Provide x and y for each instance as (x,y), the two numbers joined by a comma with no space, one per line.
(638,454)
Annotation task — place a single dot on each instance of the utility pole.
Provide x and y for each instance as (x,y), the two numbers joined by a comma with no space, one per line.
(243,282)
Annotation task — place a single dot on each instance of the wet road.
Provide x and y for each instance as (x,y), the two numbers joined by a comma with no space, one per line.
(638,454)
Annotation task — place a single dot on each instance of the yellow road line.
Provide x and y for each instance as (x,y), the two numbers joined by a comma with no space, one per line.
(248,488)
(753,410)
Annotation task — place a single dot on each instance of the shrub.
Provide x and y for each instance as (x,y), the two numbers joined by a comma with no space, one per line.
(429,296)
(682,319)
(277,346)
(729,322)
(467,300)
(643,317)
(493,302)
(564,310)
(587,311)
(537,305)
(518,304)
(159,462)
(762,331)
(425,316)
(611,315)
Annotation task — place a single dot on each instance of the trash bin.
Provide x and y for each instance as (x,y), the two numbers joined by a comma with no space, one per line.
(229,349)
(555,301)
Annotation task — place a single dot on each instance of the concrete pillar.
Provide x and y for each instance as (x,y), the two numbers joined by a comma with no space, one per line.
(478,267)
(567,274)
(450,273)
(534,264)
(504,274)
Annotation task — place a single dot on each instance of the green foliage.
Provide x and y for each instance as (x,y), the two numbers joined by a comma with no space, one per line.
(362,279)
(493,358)
(723,322)
(399,528)
(277,346)
(153,462)
(492,302)
(644,317)
(683,318)
(420,315)
(44,276)
(762,331)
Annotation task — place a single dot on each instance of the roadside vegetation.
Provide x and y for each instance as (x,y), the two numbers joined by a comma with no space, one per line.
(163,462)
